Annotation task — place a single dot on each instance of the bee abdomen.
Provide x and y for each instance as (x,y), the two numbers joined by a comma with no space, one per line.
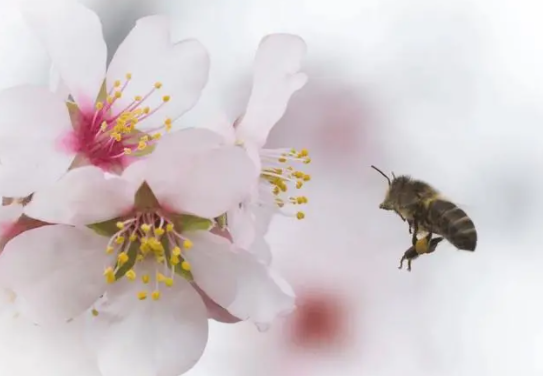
(453,223)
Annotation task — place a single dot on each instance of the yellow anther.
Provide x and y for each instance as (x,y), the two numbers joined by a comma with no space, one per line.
(99,105)
(133,237)
(110,250)
(142,295)
(276,191)
(118,94)
(156,245)
(158,85)
(304,153)
(142,145)
(160,277)
(307,177)
(157,136)
(146,110)
(160,259)
(185,266)
(117,83)
(120,225)
(176,251)
(300,215)
(187,244)
(166,98)
(169,282)
(139,258)
(128,76)
(122,258)
(300,200)
(159,231)
(169,227)
(282,160)
(95,312)
(307,161)
(119,240)
(109,274)
(138,98)
(131,275)
(174,260)
(145,278)
(299,184)
(103,126)
(155,295)
(144,138)
(109,100)
(145,227)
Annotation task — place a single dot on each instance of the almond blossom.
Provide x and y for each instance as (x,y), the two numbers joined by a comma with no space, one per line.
(127,249)
(110,115)
(276,78)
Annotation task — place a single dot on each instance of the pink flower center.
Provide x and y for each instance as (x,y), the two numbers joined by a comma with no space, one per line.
(107,136)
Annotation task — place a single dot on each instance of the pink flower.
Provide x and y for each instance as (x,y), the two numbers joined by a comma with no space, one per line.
(111,115)
(126,249)
(276,78)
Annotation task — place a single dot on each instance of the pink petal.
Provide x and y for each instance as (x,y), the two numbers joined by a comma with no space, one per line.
(83,196)
(215,311)
(275,80)
(164,338)
(199,177)
(32,123)
(241,225)
(56,270)
(150,56)
(72,35)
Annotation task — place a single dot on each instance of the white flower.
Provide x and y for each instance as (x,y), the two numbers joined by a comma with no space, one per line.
(146,319)
(149,83)
(276,78)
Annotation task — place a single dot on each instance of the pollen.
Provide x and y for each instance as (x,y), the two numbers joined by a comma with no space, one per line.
(169,227)
(120,225)
(145,278)
(99,106)
(169,282)
(95,312)
(166,98)
(155,295)
(109,274)
(176,251)
(119,240)
(158,85)
(117,83)
(110,250)
(174,260)
(142,295)
(131,275)
(185,266)
(128,76)
(145,227)
(122,258)
(187,244)
(159,231)
(300,215)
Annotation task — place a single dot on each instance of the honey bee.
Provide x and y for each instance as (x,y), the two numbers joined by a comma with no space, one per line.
(428,212)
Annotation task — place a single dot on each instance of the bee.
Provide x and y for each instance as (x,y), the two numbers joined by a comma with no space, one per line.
(427,211)
(422,246)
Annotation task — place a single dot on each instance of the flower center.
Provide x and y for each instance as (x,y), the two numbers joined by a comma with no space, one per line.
(148,235)
(106,136)
(279,175)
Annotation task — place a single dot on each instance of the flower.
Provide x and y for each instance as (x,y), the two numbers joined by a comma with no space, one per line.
(110,116)
(126,249)
(276,78)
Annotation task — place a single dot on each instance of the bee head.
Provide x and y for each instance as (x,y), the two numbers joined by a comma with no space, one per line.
(388,203)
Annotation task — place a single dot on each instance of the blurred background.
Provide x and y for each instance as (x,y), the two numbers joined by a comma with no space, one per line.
(450,92)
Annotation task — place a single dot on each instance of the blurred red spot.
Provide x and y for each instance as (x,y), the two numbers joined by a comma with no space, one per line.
(319,321)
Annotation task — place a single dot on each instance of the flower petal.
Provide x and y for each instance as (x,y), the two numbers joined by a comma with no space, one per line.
(242,225)
(56,270)
(211,259)
(276,78)
(215,311)
(262,295)
(72,35)
(32,124)
(164,338)
(83,196)
(56,85)
(149,56)
(9,214)
(221,125)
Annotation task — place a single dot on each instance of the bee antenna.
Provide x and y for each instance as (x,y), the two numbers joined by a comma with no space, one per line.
(382,173)
(393,176)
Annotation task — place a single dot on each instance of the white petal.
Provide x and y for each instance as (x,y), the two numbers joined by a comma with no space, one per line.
(149,55)
(242,225)
(32,126)
(211,261)
(221,125)
(57,270)
(186,143)
(56,84)
(206,182)
(9,214)
(163,338)
(72,35)
(276,78)
(262,295)
(83,196)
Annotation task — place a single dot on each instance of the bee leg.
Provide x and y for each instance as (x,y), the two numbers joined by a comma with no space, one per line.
(415,231)
(408,256)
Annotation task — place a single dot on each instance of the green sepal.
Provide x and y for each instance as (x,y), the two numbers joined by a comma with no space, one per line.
(132,253)
(106,228)
(186,222)
(102,94)
(187,275)
(145,200)
(222,221)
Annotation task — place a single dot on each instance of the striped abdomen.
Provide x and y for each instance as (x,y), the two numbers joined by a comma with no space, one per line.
(451,222)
